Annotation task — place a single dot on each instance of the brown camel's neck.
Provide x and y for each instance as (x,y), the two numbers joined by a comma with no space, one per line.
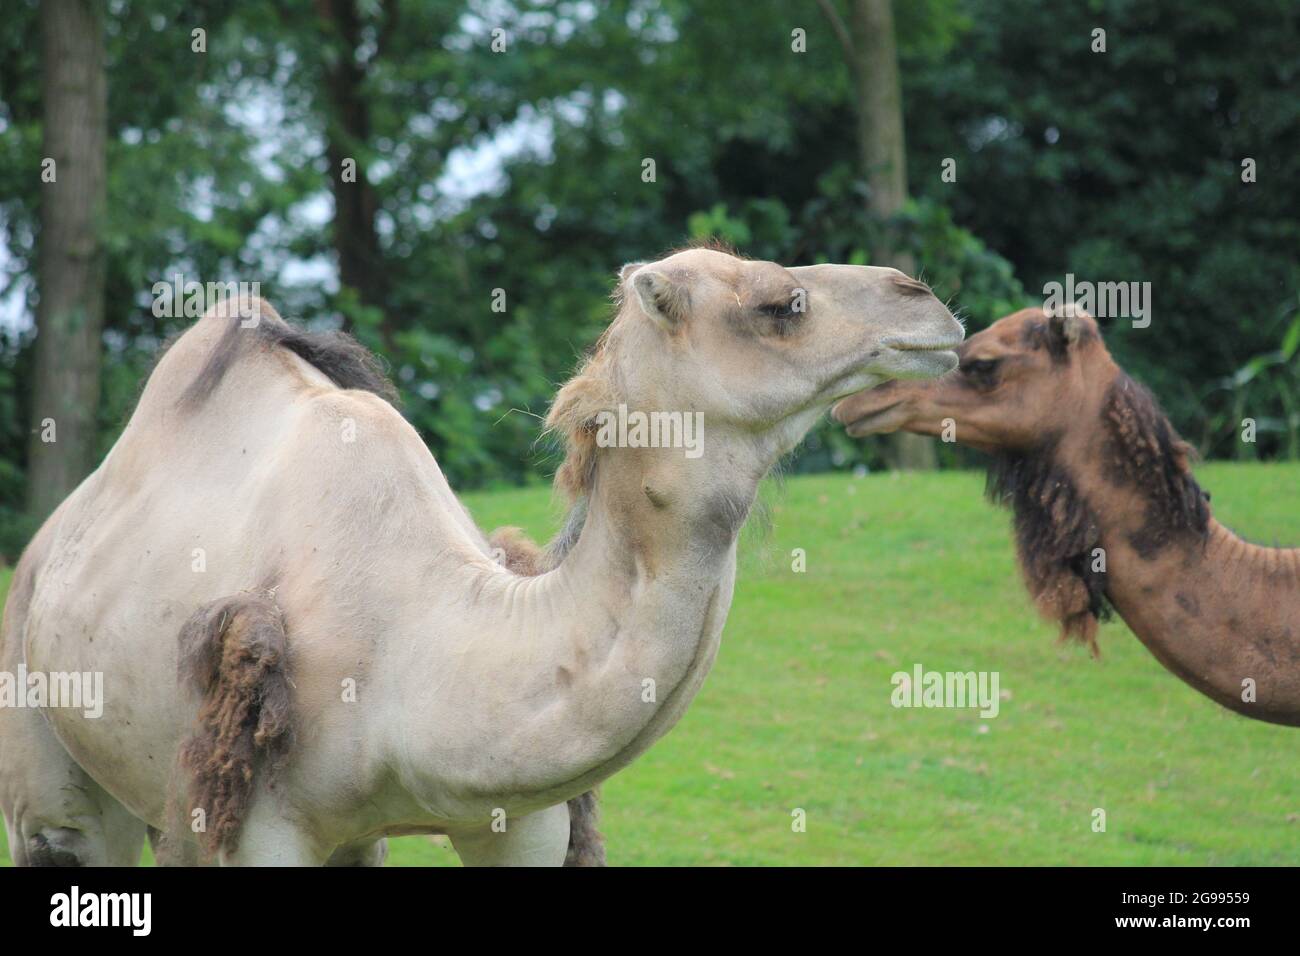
(1220,613)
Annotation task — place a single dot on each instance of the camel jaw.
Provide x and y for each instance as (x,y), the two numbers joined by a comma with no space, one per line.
(879,420)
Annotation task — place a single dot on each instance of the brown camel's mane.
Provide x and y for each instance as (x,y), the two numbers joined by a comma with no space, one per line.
(1056,534)
(1145,453)
(1057,530)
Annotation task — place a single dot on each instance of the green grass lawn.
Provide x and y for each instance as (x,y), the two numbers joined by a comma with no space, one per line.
(919,569)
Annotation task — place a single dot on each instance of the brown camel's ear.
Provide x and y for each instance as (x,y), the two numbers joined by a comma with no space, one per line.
(1064,326)
(663,297)
(625,273)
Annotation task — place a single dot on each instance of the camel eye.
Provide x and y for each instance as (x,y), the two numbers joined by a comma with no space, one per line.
(782,317)
(981,371)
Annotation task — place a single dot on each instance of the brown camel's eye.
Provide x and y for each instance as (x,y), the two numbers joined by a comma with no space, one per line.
(981,372)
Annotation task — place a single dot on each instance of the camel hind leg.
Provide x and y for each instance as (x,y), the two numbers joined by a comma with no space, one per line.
(55,814)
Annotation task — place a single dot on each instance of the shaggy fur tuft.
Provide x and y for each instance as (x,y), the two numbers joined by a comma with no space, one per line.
(1145,453)
(518,552)
(586,845)
(343,360)
(1056,533)
(573,418)
(593,389)
(233,652)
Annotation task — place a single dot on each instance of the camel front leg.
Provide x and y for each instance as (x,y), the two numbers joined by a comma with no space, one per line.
(268,838)
(539,839)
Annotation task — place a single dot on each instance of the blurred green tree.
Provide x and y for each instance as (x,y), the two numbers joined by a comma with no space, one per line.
(502,152)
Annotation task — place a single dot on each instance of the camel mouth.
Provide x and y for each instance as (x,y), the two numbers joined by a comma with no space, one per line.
(923,345)
(921,356)
(868,422)
(918,359)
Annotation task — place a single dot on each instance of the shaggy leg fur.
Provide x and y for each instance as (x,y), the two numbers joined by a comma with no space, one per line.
(586,845)
(233,652)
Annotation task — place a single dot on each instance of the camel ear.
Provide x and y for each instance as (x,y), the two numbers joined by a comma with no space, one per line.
(1065,325)
(625,273)
(663,297)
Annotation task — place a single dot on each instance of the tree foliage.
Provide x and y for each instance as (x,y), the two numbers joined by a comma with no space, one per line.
(522,170)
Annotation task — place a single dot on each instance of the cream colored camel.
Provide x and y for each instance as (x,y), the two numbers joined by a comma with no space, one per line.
(354,661)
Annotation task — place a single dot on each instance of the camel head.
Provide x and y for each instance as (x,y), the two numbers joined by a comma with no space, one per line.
(757,350)
(1022,381)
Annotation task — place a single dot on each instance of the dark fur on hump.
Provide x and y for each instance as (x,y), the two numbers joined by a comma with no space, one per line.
(343,360)
(1143,452)
(234,654)
(1056,533)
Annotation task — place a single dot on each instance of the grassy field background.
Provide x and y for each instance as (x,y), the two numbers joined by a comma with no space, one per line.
(919,569)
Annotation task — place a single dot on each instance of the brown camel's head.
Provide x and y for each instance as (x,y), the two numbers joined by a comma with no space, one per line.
(757,350)
(1019,383)
(1040,391)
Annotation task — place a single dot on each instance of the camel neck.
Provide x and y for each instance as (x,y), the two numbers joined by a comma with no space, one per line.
(623,632)
(661,559)
(1220,613)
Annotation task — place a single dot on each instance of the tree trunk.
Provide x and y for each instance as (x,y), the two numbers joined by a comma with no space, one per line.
(71,256)
(884,163)
(356,237)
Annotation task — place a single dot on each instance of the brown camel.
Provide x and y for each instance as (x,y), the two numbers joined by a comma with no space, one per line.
(1107,513)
